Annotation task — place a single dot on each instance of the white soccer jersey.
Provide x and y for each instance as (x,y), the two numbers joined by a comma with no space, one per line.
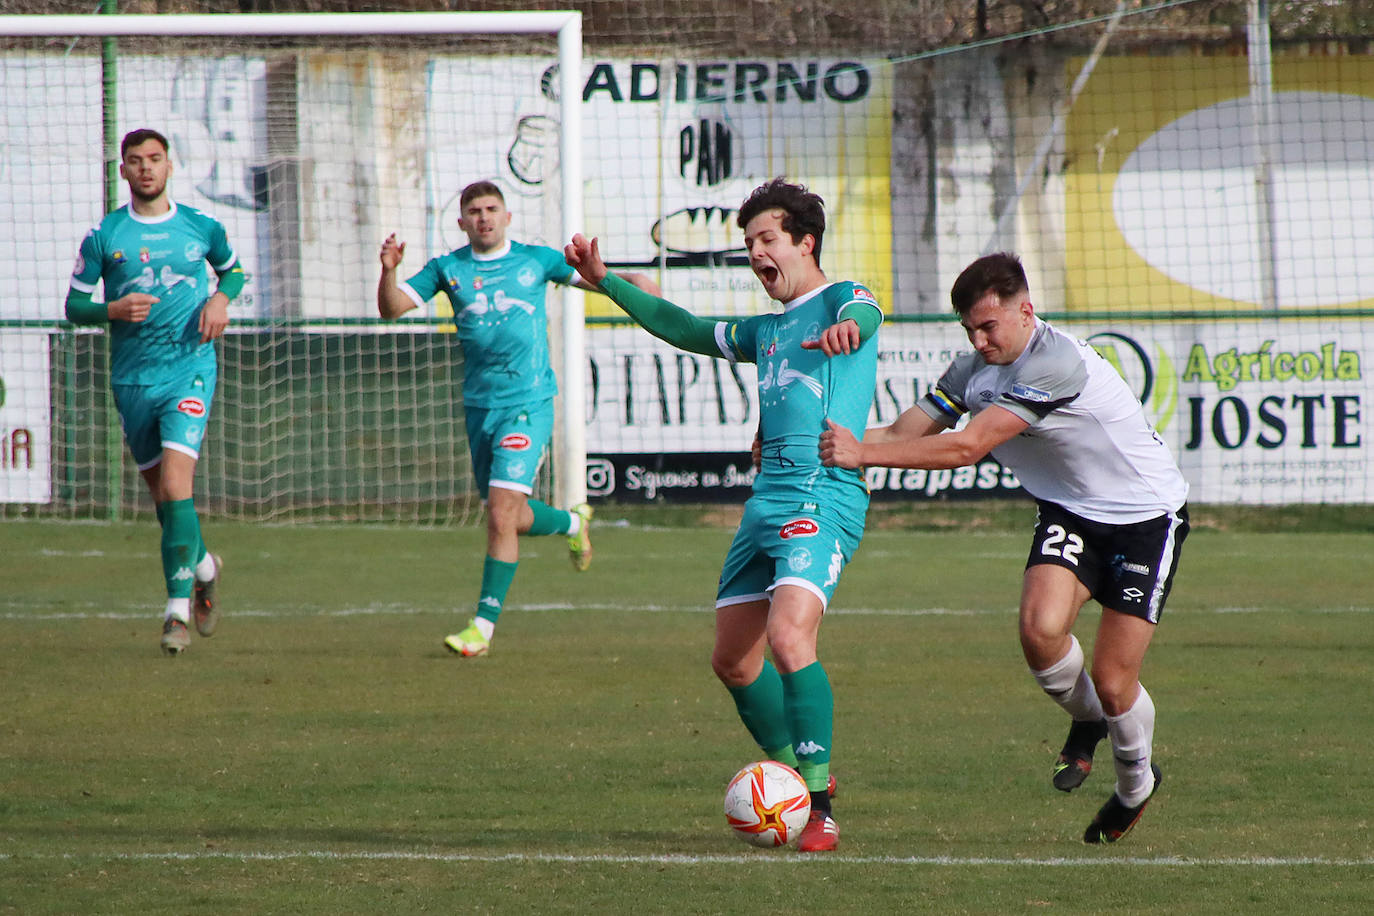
(1088,448)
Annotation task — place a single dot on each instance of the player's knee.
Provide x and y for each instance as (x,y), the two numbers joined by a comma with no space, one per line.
(730,669)
(1040,638)
(1117,689)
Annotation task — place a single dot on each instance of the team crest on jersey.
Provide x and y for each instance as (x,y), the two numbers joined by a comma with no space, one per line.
(192,252)
(527,277)
(192,407)
(1027,393)
(476,282)
(772,347)
(799,528)
(118,257)
(145,255)
(517,442)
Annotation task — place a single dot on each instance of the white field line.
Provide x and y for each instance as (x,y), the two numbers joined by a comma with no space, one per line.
(92,610)
(785,858)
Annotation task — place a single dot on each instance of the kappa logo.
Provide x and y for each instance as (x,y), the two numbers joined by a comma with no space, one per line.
(489,601)
(192,407)
(799,528)
(182,574)
(809,747)
(516,442)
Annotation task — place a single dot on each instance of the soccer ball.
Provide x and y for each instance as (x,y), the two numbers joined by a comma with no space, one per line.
(767,803)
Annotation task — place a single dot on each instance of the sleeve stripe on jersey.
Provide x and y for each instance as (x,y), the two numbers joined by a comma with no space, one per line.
(221,268)
(726,346)
(943,403)
(414,296)
(867,302)
(82,287)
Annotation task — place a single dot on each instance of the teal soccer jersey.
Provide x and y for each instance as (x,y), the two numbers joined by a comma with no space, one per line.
(498,305)
(799,389)
(162,256)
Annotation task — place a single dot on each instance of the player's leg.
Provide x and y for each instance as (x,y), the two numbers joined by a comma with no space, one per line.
(183,419)
(794,622)
(1053,591)
(1146,559)
(527,432)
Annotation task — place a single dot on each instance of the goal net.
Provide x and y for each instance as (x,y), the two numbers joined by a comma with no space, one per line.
(311,140)
(1188,195)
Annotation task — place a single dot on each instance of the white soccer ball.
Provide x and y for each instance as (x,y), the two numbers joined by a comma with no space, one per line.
(767,803)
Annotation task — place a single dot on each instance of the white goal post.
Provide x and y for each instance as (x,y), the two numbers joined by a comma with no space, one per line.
(567,321)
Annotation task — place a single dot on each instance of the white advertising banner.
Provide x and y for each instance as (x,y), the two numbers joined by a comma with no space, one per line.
(1256,411)
(25,418)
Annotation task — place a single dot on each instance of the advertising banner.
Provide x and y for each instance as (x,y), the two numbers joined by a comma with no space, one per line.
(25,418)
(1259,412)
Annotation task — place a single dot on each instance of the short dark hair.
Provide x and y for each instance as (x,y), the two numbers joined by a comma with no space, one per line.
(804,212)
(478,189)
(999,273)
(143,134)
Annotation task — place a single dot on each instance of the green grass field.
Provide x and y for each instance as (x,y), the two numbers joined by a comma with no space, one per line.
(323,754)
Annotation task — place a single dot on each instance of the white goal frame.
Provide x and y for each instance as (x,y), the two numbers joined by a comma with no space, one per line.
(570,450)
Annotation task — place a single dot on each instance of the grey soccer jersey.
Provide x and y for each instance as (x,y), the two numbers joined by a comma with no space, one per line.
(1088,448)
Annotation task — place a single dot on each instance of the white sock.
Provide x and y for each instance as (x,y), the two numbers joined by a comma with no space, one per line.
(484,626)
(1068,684)
(1133,735)
(574,525)
(205,569)
(180,608)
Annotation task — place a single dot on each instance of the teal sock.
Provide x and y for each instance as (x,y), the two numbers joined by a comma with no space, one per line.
(200,549)
(180,539)
(811,717)
(763,712)
(497,576)
(548,520)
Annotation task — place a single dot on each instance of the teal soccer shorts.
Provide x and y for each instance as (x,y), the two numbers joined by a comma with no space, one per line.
(171,414)
(507,445)
(779,543)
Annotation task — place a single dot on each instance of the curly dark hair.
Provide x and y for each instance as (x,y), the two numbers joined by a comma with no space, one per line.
(805,211)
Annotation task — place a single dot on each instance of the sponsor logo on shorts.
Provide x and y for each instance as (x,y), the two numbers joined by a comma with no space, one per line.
(515,442)
(799,528)
(192,407)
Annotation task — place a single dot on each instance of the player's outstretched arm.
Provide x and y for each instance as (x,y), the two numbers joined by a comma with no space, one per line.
(661,318)
(391,302)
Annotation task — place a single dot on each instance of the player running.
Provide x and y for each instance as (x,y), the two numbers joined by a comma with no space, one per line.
(497,289)
(151,256)
(1112,513)
(816,358)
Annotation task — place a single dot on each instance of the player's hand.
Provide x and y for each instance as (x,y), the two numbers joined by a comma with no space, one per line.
(392,252)
(841,337)
(584,256)
(839,448)
(133,307)
(214,317)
